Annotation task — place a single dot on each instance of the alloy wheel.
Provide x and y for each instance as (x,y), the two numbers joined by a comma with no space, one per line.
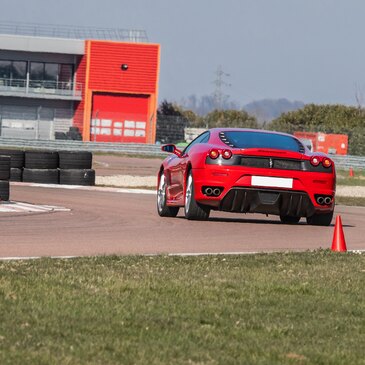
(161,193)
(188,193)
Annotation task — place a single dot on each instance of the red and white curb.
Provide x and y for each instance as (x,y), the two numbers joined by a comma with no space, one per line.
(20,207)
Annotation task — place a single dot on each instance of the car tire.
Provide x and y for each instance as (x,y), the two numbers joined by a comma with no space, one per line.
(320,219)
(85,177)
(164,210)
(16,174)
(4,190)
(288,219)
(16,157)
(193,210)
(41,160)
(4,167)
(41,176)
(75,159)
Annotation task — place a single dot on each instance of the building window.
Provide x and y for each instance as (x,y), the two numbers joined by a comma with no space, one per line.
(36,74)
(51,75)
(19,70)
(5,69)
(13,73)
(42,75)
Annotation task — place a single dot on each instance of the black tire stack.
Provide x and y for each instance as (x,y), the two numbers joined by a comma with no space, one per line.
(75,168)
(16,163)
(45,167)
(73,134)
(41,167)
(4,177)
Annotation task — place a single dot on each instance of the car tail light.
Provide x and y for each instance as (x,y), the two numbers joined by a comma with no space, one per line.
(315,161)
(213,154)
(326,162)
(226,154)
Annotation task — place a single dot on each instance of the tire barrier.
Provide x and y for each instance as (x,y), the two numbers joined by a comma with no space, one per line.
(75,160)
(16,174)
(73,134)
(77,177)
(4,190)
(4,177)
(42,176)
(41,160)
(4,167)
(16,157)
(45,167)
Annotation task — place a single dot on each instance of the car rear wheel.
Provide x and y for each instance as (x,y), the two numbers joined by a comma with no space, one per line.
(162,209)
(193,210)
(287,219)
(320,219)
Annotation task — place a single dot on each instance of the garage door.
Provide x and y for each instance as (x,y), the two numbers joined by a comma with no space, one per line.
(119,118)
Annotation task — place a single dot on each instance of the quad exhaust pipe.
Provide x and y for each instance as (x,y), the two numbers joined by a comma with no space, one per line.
(212,191)
(320,200)
(323,199)
(327,200)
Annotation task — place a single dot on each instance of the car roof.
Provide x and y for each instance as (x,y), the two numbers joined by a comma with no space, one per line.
(219,130)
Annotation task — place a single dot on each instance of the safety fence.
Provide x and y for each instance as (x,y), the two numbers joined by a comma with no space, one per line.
(73,32)
(123,148)
(342,162)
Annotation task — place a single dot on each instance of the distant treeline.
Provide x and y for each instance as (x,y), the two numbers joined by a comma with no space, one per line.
(263,110)
(339,119)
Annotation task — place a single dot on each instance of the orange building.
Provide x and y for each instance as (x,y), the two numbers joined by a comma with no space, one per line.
(107,88)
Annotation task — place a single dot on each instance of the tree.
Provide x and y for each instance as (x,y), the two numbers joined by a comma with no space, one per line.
(169,109)
(230,118)
(338,119)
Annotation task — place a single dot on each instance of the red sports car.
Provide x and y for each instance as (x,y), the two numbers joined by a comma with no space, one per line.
(247,171)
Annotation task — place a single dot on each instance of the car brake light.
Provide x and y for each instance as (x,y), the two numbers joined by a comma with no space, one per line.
(226,154)
(315,161)
(326,162)
(213,154)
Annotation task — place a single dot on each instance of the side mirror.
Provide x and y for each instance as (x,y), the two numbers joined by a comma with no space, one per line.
(171,148)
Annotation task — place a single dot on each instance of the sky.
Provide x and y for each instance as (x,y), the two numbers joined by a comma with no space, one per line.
(304,50)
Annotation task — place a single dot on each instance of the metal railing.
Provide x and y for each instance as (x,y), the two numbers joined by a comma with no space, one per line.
(341,162)
(73,32)
(348,161)
(124,148)
(28,86)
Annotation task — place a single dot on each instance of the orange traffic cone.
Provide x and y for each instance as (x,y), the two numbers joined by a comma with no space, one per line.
(338,242)
(351,172)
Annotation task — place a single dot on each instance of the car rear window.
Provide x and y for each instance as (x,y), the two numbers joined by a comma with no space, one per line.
(248,139)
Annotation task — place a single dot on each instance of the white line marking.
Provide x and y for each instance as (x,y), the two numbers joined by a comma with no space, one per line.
(17,258)
(192,254)
(21,207)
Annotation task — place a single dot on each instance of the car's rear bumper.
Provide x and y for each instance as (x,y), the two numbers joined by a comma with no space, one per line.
(240,195)
(267,201)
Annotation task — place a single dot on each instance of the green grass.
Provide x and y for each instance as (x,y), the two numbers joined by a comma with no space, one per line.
(297,308)
(358,179)
(351,201)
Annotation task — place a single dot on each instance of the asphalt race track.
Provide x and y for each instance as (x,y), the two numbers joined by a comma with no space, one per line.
(108,222)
